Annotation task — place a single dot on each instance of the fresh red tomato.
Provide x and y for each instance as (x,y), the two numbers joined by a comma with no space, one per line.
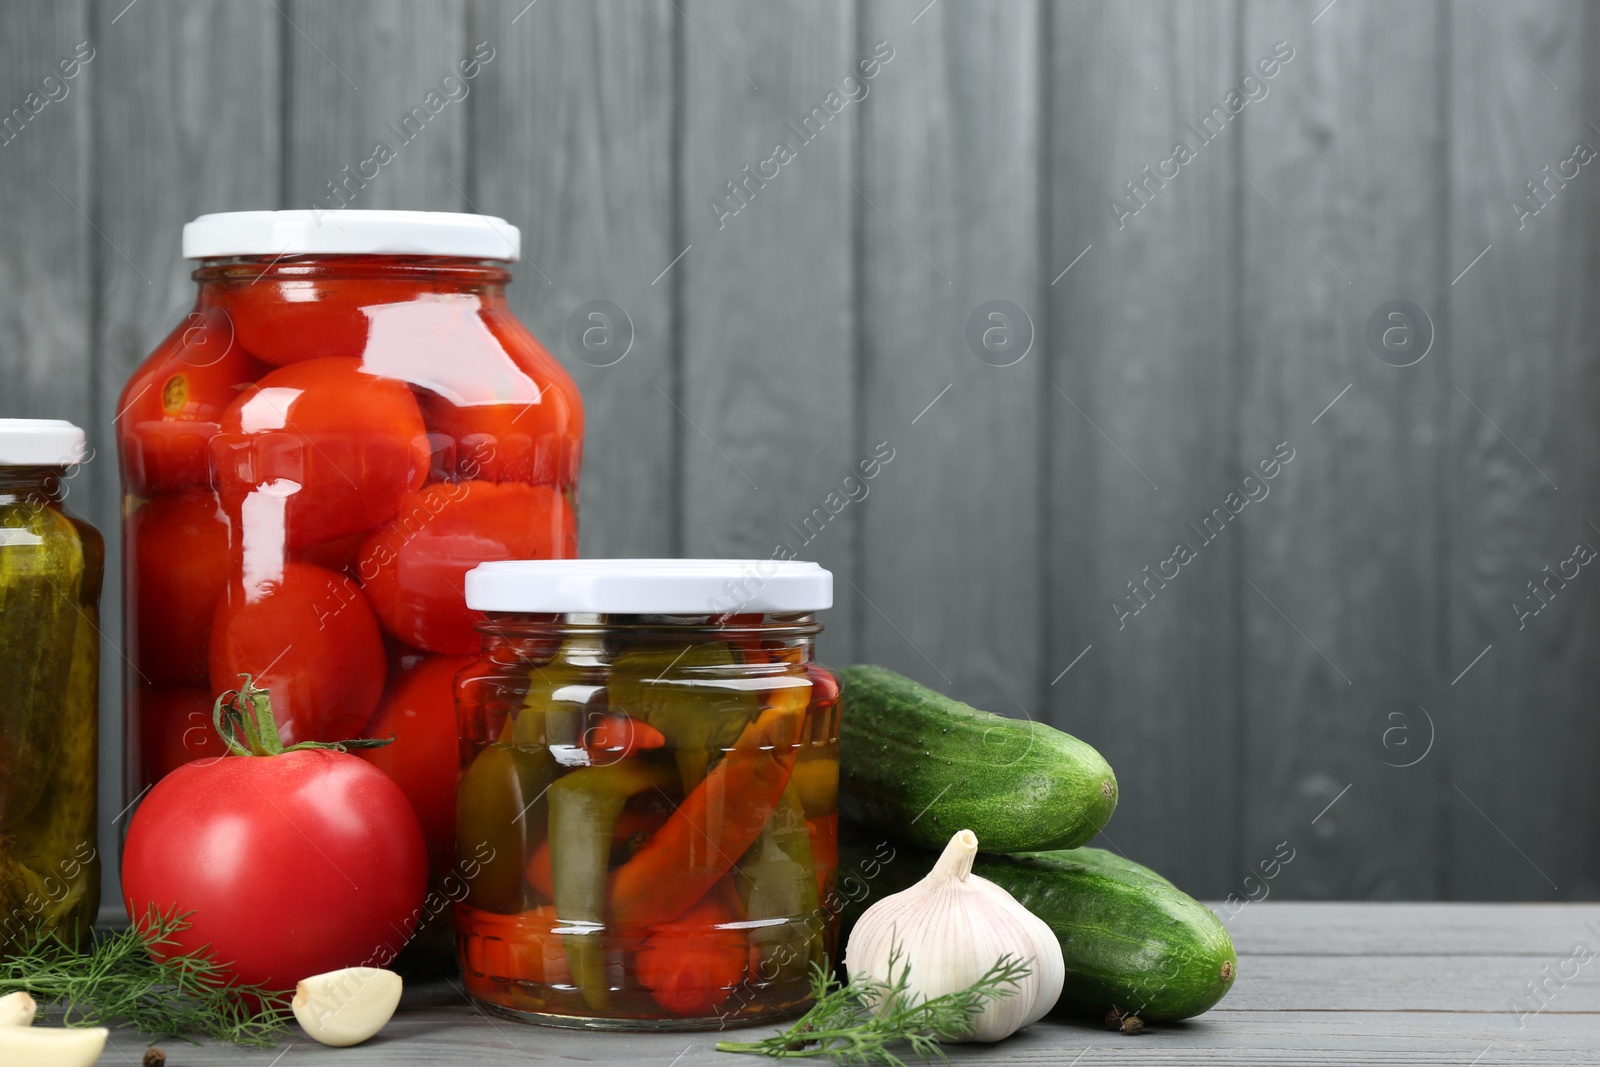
(690,966)
(539,443)
(414,569)
(178,546)
(173,404)
(174,728)
(318,450)
(309,638)
(292,863)
(419,712)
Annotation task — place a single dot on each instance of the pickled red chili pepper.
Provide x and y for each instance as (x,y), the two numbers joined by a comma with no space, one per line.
(619,736)
(824,835)
(688,966)
(714,825)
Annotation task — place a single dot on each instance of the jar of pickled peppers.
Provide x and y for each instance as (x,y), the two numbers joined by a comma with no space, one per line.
(348,420)
(51,564)
(648,805)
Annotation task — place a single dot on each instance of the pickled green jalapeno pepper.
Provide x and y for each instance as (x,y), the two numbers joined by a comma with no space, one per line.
(661,687)
(584,806)
(558,702)
(501,802)
(776,880)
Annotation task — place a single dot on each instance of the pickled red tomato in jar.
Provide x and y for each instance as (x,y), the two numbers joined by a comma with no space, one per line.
(648,805)
(348,420)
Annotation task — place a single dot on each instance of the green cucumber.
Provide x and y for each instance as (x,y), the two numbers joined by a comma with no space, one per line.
(1130,940)
(922,766)
(1097,857)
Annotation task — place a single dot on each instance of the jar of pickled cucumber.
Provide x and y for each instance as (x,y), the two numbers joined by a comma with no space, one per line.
(647,818)
(51,564)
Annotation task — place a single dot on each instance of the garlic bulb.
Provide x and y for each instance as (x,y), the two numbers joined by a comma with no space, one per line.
(951,928)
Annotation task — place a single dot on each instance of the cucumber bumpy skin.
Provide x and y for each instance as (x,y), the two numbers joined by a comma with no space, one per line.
(923,766)
(1137,943)
(1097,857)
(1130,939)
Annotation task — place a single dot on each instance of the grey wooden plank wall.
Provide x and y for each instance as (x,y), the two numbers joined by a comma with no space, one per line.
(1339,668)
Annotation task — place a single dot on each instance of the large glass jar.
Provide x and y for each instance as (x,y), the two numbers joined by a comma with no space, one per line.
(648,808)
(51,565)
(348,420)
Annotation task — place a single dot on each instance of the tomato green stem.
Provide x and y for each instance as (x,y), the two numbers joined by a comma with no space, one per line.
(243,719)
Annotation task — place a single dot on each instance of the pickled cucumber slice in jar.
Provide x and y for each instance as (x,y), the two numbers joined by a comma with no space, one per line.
(41,581)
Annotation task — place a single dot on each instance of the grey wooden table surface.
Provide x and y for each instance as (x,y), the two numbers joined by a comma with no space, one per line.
(1318,984)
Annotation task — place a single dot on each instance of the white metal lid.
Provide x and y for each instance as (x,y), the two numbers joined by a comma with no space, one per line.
(649,586)
(40,443)
(350,232)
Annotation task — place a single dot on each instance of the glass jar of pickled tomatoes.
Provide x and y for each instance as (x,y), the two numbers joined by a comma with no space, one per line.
(348,420)
(648,808)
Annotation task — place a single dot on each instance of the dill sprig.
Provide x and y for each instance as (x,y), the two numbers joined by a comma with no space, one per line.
(114,980)
(857,1022)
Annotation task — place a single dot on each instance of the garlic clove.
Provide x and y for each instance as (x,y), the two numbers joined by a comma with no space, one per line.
(17,1009)
(950,929)
(348,1006)
(51,1046)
